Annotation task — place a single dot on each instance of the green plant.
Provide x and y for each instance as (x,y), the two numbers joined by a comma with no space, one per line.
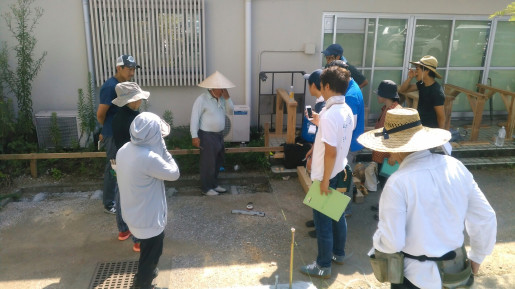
(509,10)
(56,174)
(86,111)
(55,132)
(19,80)
(168,117)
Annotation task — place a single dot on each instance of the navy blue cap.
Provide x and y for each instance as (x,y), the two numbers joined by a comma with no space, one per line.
(387,89)
(314,77)
(333,49)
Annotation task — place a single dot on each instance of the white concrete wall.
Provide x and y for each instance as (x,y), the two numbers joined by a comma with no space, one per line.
(280,30)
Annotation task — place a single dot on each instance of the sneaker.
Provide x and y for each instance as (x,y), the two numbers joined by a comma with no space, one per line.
(374,208)
(338,259)
(314,270)
(136,247)
(312,234)
(210,193)
(310,224)
(220,189)
(122,236)
(110,209)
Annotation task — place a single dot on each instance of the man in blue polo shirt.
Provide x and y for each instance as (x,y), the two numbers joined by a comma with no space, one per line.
(125,68)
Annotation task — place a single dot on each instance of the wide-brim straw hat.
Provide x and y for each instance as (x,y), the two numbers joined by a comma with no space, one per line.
(428,62)
(403,132)
(128,92)
(216,81)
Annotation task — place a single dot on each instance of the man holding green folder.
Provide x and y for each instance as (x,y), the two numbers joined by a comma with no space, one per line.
(335,125)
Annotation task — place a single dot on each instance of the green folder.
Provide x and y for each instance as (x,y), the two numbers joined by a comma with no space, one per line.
(331,205)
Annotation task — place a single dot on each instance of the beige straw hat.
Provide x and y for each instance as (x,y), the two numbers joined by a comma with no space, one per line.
(428,62)
(216,81)
(403,132)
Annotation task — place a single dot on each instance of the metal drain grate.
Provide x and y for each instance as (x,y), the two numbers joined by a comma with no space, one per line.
(114,275)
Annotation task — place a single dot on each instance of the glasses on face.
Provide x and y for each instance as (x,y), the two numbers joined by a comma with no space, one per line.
(330,58)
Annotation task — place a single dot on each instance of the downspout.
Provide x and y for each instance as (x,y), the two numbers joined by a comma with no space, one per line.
(89,47)
(248,50)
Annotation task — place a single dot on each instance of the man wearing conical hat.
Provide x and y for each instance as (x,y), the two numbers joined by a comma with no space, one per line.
(431,97)
(426,205)
(207,126)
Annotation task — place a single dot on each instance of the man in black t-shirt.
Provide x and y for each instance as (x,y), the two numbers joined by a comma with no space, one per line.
(431,97)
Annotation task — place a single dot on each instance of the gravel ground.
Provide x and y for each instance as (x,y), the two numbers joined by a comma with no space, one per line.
(58,241)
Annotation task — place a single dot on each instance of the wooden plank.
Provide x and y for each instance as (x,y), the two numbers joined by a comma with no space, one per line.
(474,143)
(79,155)
(304,178)
(279,113)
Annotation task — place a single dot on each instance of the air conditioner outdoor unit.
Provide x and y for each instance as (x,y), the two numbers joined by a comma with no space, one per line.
(68,124)
(237,125)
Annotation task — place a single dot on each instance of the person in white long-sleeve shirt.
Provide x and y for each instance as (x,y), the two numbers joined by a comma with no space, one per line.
(207,126)
(142,166)
(428,202)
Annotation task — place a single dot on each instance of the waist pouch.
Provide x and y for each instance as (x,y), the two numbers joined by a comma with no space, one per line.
(388,267)
(456,273)
(454,267)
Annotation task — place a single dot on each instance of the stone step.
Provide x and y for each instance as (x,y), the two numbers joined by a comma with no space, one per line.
(488,161)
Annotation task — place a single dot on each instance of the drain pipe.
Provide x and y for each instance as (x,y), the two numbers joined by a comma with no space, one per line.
(248,50)
(89,46)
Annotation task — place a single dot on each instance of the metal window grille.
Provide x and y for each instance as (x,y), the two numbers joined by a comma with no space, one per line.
(166,37)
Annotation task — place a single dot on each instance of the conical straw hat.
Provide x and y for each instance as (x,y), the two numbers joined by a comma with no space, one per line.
(403,132)
(216,80)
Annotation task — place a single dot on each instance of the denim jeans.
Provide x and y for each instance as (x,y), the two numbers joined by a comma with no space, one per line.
(108,195)
(120,223)
(331,235)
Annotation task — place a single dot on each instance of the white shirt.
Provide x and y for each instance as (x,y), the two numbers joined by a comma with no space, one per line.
(335,129)
(424,208)
(208,114)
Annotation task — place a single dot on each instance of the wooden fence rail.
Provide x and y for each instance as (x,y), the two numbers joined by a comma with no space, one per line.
(33,157)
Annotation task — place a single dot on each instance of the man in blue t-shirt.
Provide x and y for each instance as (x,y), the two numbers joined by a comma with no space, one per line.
(335,52)
(125,68)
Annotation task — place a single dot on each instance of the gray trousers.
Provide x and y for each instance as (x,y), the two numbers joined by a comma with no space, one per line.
(109,178)
(212,153)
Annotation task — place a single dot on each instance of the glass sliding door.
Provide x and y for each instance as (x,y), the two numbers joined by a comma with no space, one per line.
(469,50)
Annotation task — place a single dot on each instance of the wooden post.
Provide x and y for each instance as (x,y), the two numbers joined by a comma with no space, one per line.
(508,103)
(34,168)
(291,110)
(450,96)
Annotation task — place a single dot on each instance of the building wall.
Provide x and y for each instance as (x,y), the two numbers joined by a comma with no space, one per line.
(280,31)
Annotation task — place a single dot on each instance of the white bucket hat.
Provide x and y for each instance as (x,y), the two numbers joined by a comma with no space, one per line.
(403,132)
(216,81)
(129,92)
